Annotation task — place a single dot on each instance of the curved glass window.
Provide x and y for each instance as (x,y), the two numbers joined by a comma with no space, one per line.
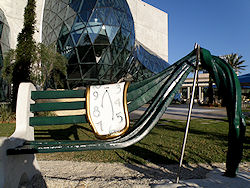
(144,63)
(150,60)
(4,47)
(98,39)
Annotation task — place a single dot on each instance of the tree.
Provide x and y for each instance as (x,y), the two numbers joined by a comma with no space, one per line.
(235,61)
(25,51)
(8,65)
(50,66)
(32,62)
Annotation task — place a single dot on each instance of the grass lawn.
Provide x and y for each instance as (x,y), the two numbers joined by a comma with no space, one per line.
(207,143)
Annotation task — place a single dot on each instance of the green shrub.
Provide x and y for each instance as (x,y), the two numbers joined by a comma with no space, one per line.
(6,114)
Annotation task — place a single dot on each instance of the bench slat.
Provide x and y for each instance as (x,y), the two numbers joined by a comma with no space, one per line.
(55,106)
(60,146)
(57,94)
(57,120)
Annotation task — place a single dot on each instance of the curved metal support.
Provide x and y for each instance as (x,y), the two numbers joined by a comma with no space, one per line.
(229,88)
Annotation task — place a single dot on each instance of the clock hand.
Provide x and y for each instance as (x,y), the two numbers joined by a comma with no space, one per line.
(113,114)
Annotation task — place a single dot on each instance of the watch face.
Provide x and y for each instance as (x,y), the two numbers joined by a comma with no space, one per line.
(107,109)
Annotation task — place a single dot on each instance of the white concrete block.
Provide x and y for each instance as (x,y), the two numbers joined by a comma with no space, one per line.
(18,169)
(15,169)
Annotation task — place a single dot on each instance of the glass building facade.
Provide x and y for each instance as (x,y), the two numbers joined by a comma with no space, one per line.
(98,39)
(4,47)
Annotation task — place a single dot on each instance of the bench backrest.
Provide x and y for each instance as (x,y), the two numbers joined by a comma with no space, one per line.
(51,101)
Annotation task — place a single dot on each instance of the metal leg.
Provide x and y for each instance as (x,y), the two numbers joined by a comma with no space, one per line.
(189,113)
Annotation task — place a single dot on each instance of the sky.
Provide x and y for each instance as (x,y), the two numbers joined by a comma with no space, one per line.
(221,26)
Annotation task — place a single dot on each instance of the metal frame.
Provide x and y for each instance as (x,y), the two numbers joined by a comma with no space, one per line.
(189,111)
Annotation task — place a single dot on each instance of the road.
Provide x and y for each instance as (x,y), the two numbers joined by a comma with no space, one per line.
(181,112)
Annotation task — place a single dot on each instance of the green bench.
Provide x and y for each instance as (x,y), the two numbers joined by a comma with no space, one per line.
(17,152)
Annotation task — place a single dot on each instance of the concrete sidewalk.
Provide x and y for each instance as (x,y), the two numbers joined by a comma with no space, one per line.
(214,179)
(117,175)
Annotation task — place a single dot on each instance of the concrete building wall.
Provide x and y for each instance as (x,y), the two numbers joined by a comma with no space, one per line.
(14,10)
(151,27)
(151,24)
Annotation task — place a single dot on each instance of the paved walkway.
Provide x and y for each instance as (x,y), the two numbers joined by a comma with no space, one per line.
(214,179)
(70,174)
(181,112)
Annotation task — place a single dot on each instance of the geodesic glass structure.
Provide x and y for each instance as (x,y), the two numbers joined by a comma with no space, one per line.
(4,47)
(98,39)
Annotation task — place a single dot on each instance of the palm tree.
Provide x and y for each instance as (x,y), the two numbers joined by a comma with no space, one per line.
(235,61)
